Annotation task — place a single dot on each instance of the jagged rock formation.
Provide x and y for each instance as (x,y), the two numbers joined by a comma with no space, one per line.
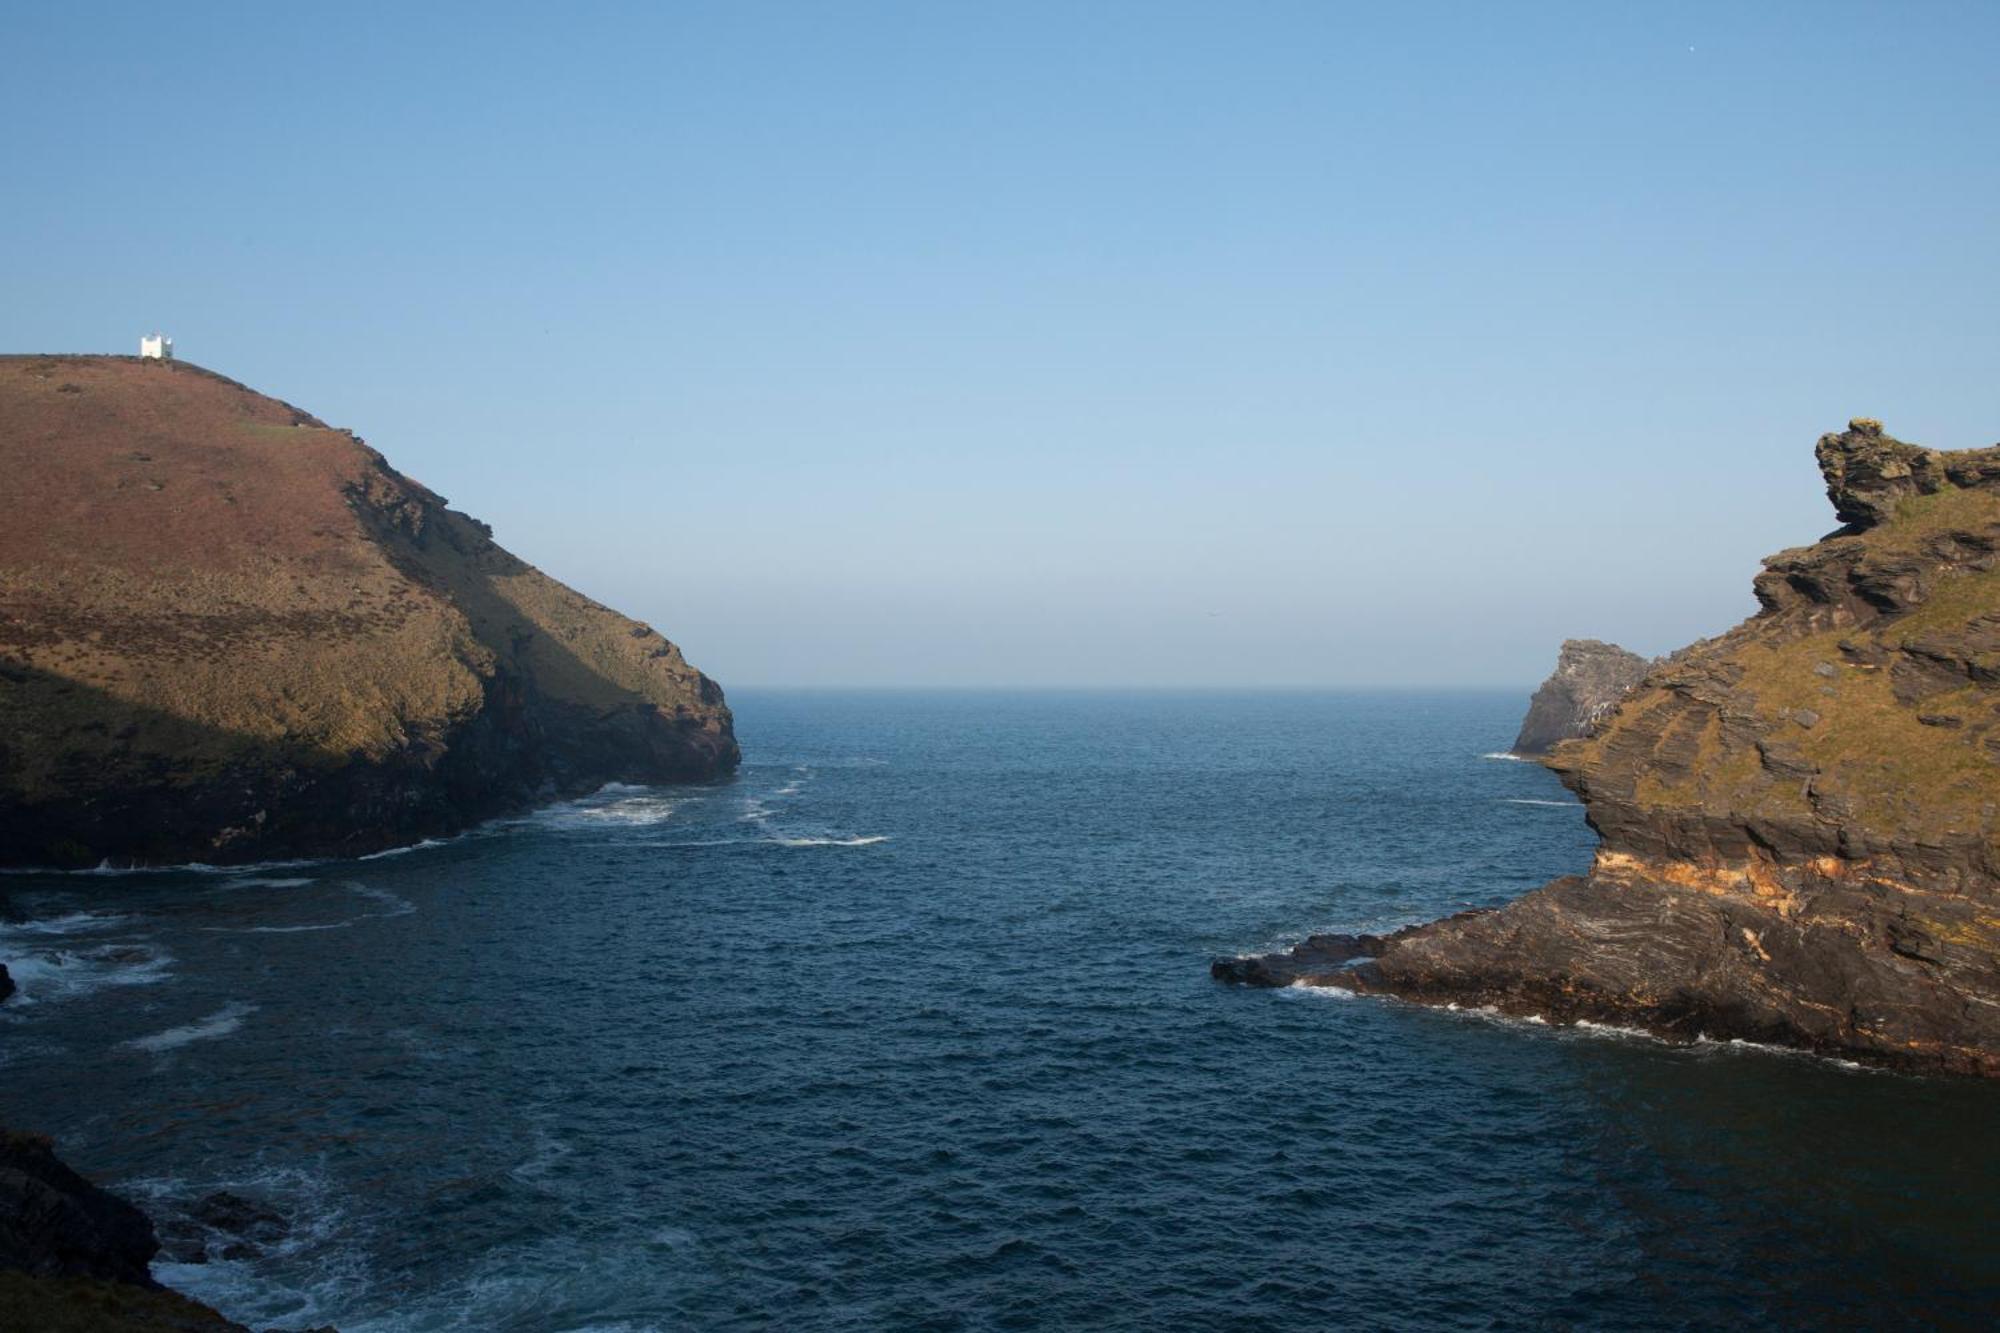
(1590,679)
(1798,818)
(230,633)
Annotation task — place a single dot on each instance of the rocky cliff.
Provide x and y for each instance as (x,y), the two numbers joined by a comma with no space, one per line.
(1798,819)
(231,633)
(1590,679)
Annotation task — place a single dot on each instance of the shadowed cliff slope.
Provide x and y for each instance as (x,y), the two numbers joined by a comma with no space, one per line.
(231,633)
(1798,818)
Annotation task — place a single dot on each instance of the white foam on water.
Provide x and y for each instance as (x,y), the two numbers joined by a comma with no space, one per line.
(396,903)
(829,842)
(1511,757)
(1529,800)
(306,1278)
(267,882)
(1300,986)
(51,975)
(72,923)
(403,851)
(218,1024)
(639,810)
(559,1284)
(106,868)
(1590,1030)
(1618,1030)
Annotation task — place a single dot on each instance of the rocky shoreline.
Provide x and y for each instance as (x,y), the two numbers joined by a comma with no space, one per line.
(76,1257)
(1799,819)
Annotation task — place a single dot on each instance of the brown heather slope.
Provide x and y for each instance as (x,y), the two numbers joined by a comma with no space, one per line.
(1800,819)
(231,633)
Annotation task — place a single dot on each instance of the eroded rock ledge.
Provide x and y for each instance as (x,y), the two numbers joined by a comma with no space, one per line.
(1797,819)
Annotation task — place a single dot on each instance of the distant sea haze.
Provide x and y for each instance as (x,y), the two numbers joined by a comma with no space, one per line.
(911,1025)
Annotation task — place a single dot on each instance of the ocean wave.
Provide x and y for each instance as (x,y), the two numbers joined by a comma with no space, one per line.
(107,869)
(1510,757)
(396,904)
(50,975)
(302,1278)
(1592,1030)
(1300,986)
(423,844)
(699,844)
(72,923)
(1530,800)
(632,810)
(218,1024)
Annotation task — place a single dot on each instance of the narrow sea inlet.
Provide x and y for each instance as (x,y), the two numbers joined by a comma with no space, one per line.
(911,1026)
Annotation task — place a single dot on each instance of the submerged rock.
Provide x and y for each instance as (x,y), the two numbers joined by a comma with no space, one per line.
(1590,679)
(1789,854)
(234,634)
(222,1225)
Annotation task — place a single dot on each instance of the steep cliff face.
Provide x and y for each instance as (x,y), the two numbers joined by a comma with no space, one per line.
(1798,818)
(1590,679)
(230,633)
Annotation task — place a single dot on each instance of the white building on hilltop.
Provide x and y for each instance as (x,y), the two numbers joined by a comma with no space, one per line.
(156,347)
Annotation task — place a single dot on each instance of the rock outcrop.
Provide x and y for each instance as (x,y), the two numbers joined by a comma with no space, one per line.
(74,1257)
(54,1223)
(1590,679)
(231,633)
(1798,819)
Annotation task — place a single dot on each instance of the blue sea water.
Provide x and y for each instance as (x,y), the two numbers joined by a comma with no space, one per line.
(911,1027)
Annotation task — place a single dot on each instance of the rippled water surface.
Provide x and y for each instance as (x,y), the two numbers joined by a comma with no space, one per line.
(911,1027)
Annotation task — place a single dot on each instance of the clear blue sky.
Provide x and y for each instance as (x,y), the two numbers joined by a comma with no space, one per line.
(1098,344)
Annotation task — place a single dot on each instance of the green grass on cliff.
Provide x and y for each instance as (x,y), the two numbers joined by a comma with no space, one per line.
(1902,775)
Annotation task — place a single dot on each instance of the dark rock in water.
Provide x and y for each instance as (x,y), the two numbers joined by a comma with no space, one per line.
(74,1257)
(54,1223)
(1282,969)
(6,982)
(252,638)
(1786,856)
(221,1225)
(238,1216)
(1590,679)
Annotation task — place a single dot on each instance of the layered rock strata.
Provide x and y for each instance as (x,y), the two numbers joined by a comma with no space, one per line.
(1799,820)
